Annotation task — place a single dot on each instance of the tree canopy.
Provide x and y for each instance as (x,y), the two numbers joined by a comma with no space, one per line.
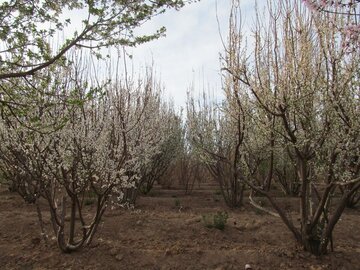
(28,28)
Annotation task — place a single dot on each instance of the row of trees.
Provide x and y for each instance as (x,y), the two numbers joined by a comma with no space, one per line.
(108,145)
(290,116)
(290,113)
(67,135)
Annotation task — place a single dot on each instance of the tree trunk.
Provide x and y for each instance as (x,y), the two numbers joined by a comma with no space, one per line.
(72,221)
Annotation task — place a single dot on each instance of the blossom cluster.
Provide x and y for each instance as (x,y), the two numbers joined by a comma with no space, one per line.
(349,8)
(352,37)
(317,5)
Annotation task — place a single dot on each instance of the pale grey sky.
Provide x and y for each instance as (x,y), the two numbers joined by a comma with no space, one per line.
(190,51)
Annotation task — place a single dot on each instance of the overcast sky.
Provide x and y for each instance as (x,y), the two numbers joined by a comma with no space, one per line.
(190,51)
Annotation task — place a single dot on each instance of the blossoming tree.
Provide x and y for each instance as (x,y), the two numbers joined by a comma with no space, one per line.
(99,150)
(300,73)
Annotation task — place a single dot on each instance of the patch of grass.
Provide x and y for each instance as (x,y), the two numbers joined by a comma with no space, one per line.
(217,221)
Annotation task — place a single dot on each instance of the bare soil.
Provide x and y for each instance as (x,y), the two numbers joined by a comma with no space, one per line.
(166,231)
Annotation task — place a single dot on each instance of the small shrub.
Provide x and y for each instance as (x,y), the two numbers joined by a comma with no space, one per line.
(177,203)
(220,220)
(217,220)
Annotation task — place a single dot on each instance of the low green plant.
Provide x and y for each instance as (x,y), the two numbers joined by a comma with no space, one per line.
(216,221)
(177,203)
(220,220)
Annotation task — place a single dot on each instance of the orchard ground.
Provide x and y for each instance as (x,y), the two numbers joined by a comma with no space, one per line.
(166,231)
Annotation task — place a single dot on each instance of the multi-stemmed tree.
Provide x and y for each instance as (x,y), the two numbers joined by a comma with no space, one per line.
(170,135)
(351,42)
(300,74)
(217,134)
(100,149)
